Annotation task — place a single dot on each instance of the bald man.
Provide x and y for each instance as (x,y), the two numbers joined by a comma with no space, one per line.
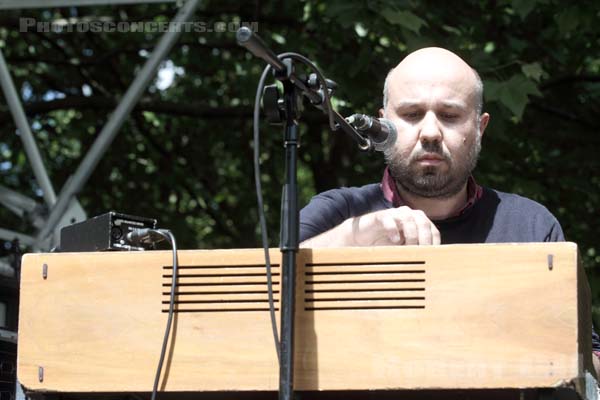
(427,194)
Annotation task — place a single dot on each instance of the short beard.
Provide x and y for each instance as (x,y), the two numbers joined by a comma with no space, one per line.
(430,182)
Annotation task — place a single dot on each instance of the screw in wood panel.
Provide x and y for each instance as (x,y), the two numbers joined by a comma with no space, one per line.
(550,261)
(41,374)
(45,271)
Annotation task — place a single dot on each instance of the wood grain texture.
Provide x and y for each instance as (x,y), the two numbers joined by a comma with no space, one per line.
(487,316)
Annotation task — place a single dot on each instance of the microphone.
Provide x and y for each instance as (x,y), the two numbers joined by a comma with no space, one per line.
(253,43)
(381,131)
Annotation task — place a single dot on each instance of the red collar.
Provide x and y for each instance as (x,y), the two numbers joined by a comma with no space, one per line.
(391,194)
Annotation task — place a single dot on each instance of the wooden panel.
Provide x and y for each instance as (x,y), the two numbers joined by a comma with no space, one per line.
(366,278)
(488,316)
(96,324)
(365,295)
(208,297)
(362,286)
(495,316)
(218,289)
(224,280)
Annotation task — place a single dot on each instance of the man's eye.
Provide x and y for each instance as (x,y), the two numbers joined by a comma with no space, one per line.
(412,115)
(449,116)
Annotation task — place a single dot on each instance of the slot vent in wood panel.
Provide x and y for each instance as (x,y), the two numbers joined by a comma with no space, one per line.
(365,286)
(217,288)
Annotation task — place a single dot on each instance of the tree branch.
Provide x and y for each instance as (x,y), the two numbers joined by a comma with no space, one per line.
(562,80)
(563,114)
(195,110)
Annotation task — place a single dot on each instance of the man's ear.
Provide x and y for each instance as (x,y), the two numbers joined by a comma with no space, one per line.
(381,112)
(483,122)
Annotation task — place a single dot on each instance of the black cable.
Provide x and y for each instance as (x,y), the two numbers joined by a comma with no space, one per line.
(261,209)
(257,181)
(171,239)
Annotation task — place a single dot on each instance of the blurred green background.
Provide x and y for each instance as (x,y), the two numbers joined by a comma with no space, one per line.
(185,154)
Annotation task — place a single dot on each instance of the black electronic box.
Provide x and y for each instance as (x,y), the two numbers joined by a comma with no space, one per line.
(102,233)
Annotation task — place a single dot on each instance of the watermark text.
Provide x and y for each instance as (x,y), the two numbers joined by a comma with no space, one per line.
(110,26)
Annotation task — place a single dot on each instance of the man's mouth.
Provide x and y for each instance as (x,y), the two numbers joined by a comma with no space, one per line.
(430,159)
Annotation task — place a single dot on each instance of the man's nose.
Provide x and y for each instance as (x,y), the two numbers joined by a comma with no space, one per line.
(430,128)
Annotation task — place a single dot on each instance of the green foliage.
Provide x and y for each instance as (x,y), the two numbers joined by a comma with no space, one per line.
(405,19)
(185,154)
(513,93)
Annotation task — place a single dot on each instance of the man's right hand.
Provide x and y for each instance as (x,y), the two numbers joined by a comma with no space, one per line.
(390,227)
(394,226)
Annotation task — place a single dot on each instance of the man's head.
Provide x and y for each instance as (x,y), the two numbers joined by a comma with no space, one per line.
(435,100)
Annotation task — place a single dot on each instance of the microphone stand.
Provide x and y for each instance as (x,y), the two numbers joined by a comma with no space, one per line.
(293,89)
(289,243)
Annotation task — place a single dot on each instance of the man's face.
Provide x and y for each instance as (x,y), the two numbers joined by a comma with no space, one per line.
(439,131)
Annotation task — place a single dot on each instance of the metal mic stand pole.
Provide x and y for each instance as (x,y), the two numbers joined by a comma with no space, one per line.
(293,89)
(289,244)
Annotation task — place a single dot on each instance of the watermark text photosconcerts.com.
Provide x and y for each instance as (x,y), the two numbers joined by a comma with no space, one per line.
(109,26)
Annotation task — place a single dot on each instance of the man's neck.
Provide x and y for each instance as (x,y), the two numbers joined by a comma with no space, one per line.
(436,208)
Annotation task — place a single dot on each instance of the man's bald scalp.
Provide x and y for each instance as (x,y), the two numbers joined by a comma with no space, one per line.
(430,52)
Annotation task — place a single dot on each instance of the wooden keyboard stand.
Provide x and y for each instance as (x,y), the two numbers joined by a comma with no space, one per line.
(492,317)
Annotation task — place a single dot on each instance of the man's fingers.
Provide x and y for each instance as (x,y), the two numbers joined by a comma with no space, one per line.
(437,238)
(417,228)
(410,230)
(391,229)
(424,227)
(397,226)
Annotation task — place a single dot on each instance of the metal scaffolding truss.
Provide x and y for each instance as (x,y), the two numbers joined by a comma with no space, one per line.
(56,212)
